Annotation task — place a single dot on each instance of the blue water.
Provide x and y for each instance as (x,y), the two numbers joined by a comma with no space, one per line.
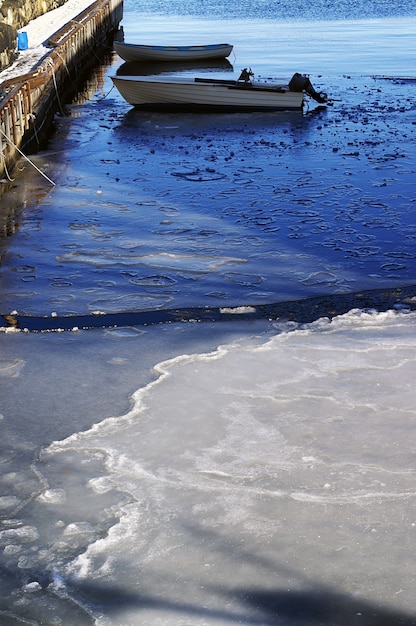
(217,473)
(153,211)
(279,10)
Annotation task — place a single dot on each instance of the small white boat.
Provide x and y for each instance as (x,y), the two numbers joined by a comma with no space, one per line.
(210,93)
(135,52)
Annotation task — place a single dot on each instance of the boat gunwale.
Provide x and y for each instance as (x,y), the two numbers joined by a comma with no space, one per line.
(209,82)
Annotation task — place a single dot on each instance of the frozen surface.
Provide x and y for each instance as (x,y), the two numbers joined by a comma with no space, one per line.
(270,481)
(263,472)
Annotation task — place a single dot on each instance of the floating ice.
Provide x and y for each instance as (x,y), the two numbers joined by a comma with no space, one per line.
(7,502)
(11,367)
(52,496)
(24,534)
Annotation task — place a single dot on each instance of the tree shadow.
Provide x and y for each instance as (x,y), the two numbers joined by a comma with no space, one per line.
(251,606)
(320,607)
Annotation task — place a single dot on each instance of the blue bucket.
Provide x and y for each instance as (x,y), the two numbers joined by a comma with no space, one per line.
(22,41)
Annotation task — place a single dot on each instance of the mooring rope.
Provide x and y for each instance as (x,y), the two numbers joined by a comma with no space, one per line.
(27,158)
(50,62)
(6,171)
(63,62)
(102,97)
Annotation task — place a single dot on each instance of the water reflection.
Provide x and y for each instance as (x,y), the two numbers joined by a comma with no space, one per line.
(146,69)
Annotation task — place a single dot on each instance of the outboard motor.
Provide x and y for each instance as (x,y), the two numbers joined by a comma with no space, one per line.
(246,75)
(300,82)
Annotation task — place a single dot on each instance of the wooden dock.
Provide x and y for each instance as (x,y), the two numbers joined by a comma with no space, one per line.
(29,102)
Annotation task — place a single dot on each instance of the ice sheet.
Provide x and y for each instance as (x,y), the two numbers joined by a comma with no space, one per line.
(254,476)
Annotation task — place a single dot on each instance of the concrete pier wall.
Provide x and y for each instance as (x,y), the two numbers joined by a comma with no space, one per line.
(29,102)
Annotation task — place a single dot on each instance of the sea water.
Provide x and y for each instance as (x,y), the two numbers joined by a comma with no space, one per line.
(249,472)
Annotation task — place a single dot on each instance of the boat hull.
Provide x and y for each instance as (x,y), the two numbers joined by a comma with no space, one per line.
(179,93)
(133,52)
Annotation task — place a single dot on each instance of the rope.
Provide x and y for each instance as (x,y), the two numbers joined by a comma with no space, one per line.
(27,158)
(50,62)
(6,171)
(32,117)
(103,97)
(63,62)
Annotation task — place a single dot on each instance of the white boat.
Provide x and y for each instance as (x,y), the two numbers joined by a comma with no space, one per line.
(135,52)
(210,93)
